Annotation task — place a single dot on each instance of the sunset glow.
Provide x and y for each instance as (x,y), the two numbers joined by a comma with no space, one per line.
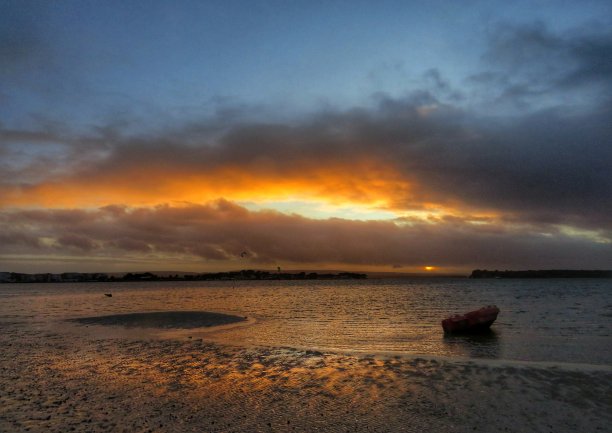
(309,154)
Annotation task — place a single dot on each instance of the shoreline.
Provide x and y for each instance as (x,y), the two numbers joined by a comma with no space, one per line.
(207,336)
(213,333)
(567,366)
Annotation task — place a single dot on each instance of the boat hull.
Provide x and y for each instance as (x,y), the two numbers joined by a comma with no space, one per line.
(474,321)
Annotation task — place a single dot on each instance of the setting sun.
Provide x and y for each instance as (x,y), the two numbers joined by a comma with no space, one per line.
(430,268)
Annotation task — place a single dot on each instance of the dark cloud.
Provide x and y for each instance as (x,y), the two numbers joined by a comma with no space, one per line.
(530,64)
(129,245)
(544,164)
(441,87)
(222,230)
(13,238)
(48,150)
(77,241)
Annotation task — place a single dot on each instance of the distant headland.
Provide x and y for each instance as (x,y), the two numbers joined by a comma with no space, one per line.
(550,273)
(249,274)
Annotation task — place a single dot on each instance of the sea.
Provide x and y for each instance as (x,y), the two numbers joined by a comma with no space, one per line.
(545,320)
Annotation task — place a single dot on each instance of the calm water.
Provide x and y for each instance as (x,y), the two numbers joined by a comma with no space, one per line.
(541,320)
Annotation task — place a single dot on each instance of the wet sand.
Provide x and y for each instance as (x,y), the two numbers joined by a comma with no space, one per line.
(53,381)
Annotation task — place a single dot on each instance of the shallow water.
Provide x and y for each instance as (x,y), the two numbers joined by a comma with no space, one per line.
(541,320)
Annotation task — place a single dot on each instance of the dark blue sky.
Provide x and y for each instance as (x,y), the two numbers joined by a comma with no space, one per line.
(85,62)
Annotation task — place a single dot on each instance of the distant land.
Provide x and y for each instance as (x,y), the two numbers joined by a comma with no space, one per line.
(249,274)
(549,273)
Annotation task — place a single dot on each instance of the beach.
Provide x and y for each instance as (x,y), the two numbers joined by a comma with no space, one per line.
(61,381)
(366,356)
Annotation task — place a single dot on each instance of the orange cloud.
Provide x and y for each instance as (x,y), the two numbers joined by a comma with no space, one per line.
(365,182)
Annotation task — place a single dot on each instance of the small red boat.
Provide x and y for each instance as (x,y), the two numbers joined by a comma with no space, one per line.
(473,321)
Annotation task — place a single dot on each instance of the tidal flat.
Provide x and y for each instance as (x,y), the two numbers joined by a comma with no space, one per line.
(59,382)
(323,356)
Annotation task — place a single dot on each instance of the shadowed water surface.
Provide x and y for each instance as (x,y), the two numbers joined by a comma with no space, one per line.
(162,319)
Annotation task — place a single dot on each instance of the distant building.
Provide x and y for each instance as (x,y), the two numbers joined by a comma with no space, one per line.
(46,278)
(71,277)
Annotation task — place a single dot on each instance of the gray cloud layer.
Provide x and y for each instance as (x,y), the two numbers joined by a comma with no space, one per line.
(549,60)
(222,230)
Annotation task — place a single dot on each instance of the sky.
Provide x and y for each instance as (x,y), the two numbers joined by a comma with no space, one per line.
(390,136)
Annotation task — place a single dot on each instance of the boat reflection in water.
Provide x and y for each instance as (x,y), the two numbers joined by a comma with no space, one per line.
(484,344)
(470,334)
